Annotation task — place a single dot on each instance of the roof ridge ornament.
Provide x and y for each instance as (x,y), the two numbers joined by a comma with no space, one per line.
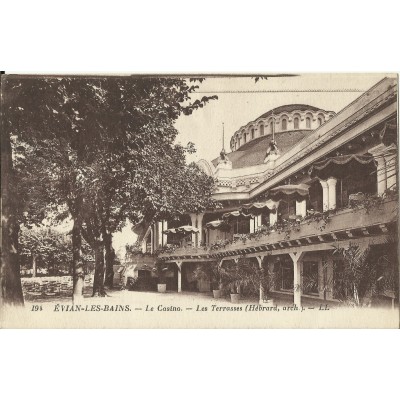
(273,151)
(223,160)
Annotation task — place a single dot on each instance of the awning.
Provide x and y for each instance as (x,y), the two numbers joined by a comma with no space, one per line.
(236,215)
(285,192)
(258,207)
(182,229)
(341,166)
(215,224)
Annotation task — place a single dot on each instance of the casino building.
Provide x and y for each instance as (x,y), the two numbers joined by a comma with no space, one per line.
(298,182)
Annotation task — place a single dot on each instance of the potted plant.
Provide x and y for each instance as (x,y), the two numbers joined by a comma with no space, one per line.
(247,275)
(268,282)
(233,279)
(235,292)
(212,273)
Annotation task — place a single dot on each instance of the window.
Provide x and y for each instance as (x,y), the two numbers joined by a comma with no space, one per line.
(284,124)
(362,181)
(310,277)
(308,123)
(287,208)
(241,227)
(315,201)
(144,273)
(320,121)
(252,133)
(271,126)
(286,275)
(244,137)
(296,123)
(261,130)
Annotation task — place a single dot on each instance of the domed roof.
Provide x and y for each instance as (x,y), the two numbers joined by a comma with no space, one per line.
(290,108)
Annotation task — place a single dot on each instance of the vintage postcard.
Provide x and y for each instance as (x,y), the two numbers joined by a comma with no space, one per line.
(199,201)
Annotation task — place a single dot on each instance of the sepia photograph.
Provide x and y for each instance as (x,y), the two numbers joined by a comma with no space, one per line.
(199,201)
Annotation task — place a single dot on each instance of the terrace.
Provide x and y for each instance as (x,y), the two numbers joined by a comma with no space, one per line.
(315,231)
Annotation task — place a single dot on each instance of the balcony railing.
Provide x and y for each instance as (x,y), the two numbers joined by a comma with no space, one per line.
(348,223)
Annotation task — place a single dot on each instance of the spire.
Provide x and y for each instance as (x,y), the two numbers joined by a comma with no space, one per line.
(273,126)
(223,161)
(223,137)
(223,152)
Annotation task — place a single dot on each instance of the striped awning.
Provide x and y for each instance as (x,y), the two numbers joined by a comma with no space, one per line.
(182,229)
(341,166)
(285,192)
(258,207)
(215,224)
(236,215)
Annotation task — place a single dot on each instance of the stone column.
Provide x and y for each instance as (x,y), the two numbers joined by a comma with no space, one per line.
(200,227)
(159,234)
(262,292)
(164,236)
(273,217)
(331,182)
(297,270)
(381,175)
(251,222)
(179,265)
(193,217)
(391,167)
(152,240)
(301,208)
(325,195)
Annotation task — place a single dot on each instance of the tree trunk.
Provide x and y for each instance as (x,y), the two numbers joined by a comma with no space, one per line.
(10,275)
(98,283)
(34,267)
(110,257)
(78,272)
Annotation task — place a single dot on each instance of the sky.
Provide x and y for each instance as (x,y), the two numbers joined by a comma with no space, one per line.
(241,100)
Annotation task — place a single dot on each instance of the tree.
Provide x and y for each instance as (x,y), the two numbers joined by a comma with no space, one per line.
(366,272)
(47,248)
(11,288)
(73,122)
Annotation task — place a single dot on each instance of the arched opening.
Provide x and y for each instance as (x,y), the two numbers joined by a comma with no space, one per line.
(252,133)
(244,136)
(315,201)
(271,127)
(284,124)
(261,130)
(364,181)
(179,239)
(308,122)
(296,123)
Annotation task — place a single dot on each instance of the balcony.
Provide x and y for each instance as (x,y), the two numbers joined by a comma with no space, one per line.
(372,219)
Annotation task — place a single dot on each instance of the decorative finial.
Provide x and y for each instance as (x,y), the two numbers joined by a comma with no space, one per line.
(273,126)
(223,157)
(223,137)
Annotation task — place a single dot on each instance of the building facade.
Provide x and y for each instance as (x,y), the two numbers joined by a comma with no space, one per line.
(298,184)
